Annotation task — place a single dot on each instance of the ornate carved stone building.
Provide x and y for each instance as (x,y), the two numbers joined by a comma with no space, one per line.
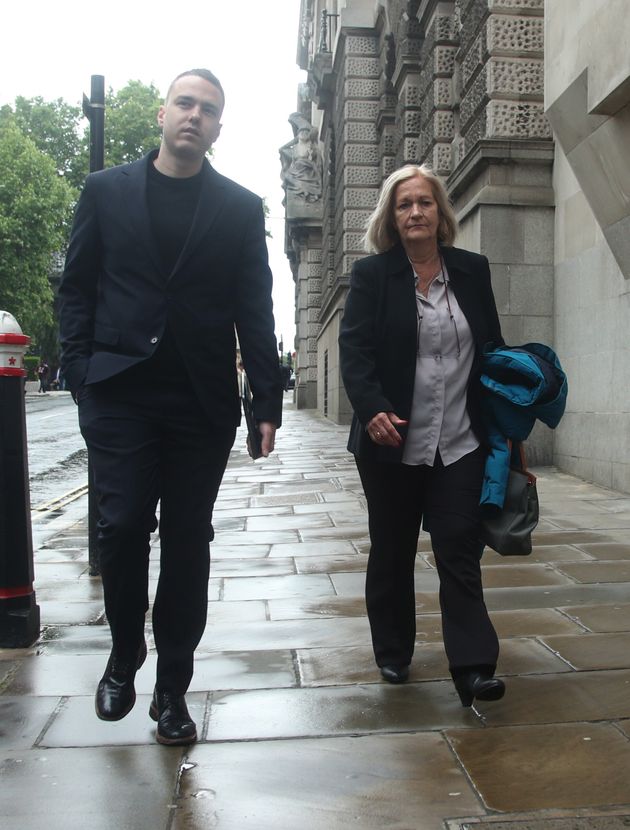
(523,107)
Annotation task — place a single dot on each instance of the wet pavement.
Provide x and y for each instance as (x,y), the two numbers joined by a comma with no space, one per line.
(297,730)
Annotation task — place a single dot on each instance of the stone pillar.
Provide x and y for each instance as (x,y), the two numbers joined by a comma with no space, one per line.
(437,87)
(406,82)
(386,122)
(501,183)
(306,264)
(350,134)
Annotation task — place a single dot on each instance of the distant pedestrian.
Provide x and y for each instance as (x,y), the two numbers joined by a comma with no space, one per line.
(59,383)
(285,372)
(180,258)
(43,373)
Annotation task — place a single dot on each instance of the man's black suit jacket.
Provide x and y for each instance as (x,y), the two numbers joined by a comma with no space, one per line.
(116,298)
(378,338)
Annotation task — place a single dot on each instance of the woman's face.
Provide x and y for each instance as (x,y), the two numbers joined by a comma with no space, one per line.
(416,214)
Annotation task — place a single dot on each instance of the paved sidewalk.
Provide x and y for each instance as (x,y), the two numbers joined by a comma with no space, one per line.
(297,730)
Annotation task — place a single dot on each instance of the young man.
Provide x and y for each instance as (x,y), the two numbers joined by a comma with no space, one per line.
(167,259)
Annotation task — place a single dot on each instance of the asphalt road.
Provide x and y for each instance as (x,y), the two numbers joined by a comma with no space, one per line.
(57,458)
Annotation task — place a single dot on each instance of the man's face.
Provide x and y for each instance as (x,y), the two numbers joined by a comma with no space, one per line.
(190,118)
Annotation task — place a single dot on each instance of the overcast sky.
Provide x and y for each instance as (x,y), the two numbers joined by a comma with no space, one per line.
(52,47)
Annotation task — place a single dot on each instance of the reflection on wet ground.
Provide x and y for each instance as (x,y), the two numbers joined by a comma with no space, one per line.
(50,484)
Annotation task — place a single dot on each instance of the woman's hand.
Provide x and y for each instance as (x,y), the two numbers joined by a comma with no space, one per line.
(382,429)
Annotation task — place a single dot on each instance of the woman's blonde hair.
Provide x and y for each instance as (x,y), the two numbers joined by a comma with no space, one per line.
(381,233)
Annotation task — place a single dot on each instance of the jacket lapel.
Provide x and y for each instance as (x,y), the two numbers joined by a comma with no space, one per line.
(402,293)
(211,199)
(465,289)
(135,187)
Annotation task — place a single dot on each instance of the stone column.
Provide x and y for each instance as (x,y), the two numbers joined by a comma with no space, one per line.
(501,183)
(350,133)
(406,82)
(437,87)
(305,256)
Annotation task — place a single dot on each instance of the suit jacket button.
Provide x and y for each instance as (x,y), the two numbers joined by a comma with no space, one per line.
(154,339)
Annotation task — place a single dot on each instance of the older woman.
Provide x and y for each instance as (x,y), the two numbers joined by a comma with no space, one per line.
(417,317)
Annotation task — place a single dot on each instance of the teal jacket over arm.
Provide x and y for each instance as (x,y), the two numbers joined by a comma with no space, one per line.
(520,385)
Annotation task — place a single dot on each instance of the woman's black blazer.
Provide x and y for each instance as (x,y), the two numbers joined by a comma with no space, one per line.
(378,337)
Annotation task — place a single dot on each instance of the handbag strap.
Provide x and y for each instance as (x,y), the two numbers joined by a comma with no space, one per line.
(518,461)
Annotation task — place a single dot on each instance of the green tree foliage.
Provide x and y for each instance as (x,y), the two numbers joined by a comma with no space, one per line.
(56,128)
(131,128)
(35,210)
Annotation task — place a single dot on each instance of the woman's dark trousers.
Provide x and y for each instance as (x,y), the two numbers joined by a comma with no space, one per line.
(446,501)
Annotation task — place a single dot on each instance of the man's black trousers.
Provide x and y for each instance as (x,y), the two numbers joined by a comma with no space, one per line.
(150,443)
(446,500)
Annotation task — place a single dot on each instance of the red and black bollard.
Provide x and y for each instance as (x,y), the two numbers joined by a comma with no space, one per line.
(19,613)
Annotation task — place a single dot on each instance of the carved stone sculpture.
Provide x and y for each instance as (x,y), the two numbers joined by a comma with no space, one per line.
(301,163)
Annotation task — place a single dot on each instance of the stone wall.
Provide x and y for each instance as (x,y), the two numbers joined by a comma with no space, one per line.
(587,95)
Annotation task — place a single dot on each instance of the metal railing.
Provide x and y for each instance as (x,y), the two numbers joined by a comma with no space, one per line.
(327,31)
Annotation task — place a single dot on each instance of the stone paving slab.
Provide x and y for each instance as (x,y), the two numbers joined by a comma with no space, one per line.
(543,767)
(59,611)
(271,587)
(606,550)
(309,633)
(547,555)
(331,666)
(253,567)
(562,698)
(75,725)
(597,572)
(353,563)
(319,549)
(23,719)
(402,782)
(128,787)
(73,639)
(518,576)
(587,652)
(601,618)
(536,622)
(338,710)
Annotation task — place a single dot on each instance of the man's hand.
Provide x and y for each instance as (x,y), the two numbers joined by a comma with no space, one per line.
(268,433)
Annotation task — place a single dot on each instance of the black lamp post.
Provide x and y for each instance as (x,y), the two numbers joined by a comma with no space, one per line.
(94,111)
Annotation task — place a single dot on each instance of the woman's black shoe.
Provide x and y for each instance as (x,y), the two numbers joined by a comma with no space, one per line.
(479,686)
(395,674)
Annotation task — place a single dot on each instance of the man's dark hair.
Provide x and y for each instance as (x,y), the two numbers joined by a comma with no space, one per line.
(200,73)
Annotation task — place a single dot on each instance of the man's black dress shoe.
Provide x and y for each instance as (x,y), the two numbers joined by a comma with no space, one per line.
(480,686)
(115,694)
(174,724)
(395,674)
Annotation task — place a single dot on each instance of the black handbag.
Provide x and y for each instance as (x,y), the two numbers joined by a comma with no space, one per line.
(509,530)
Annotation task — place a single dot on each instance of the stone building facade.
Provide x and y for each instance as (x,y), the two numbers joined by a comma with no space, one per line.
(523,107)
